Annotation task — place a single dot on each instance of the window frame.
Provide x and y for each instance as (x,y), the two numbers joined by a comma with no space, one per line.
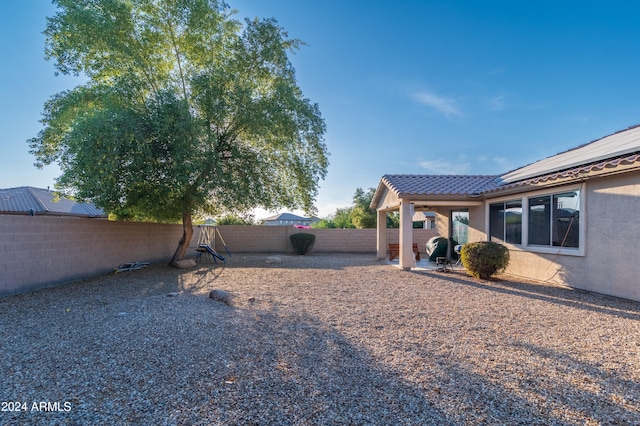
(525,197)
(451,223)
(503,221)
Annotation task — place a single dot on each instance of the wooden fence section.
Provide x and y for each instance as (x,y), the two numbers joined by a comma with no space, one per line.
(42,251)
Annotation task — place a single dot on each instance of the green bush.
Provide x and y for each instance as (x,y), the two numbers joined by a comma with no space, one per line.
(302,242)
(484,259)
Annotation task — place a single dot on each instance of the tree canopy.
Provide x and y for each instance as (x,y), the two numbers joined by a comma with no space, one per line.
(359,215)
(185,111)
(236,219)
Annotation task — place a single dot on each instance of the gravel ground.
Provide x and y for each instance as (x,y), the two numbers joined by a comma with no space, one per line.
(317,340)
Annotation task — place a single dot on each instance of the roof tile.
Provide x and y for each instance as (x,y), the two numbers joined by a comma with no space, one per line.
(27,199)
(620,148)
(440,184)
(287,216)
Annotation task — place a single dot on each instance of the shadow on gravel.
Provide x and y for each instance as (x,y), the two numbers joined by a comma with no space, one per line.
(291,369)
(313,374)
(190,360)
(152,359)
(228,366)
(580,299)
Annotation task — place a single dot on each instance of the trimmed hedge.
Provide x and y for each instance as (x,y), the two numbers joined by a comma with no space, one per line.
(484,259)
(302,242)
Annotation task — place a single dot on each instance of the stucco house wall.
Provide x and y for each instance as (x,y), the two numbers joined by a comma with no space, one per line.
(597,183)
(609,264)
(442,221)
(613,205)
(476,224)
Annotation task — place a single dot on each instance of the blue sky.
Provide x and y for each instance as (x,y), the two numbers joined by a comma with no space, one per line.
(414,87)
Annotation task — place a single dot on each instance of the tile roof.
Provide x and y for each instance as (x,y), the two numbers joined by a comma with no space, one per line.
(440,184)
(619,149)
(27,199)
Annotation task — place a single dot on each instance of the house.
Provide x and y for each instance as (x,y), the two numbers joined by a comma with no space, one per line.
(424,219)
(288,219)
(26,200)
(568,219)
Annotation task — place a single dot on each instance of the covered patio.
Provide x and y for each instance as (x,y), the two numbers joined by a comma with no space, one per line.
(445,195)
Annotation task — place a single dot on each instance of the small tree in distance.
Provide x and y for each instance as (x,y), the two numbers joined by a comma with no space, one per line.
(362,215)
(359,215)
(236,219)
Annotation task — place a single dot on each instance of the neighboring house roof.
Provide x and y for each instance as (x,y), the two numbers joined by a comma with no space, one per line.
(422,216)
(29,200)
(287,216)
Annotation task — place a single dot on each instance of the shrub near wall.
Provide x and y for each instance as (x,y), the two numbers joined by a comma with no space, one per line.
(484,258)
(302,242)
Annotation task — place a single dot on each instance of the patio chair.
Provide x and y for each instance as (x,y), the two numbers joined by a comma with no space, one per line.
(457,248)
(443,264)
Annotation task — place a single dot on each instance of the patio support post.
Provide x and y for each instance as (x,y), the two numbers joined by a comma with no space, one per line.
(382,234)
(406,235)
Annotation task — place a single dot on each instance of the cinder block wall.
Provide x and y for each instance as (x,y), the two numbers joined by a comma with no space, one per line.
(275,239)
(44,251)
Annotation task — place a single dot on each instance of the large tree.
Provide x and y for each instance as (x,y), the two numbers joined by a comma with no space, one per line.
(185,110)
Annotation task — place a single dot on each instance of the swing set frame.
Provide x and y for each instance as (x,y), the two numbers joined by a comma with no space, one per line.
(207,243)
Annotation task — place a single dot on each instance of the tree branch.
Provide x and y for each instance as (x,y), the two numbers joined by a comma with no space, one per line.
(176,51)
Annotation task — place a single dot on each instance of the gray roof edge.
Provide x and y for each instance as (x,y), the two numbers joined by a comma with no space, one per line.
(624,143)
(32,191)
(579,155)
(41,206)
(287,216)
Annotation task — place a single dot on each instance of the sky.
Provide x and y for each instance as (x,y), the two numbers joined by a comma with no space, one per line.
(405,87)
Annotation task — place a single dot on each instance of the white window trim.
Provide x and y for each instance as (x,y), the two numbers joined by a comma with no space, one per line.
(568,251)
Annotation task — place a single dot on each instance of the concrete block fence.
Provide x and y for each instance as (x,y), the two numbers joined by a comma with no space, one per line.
(43,251)
(275,239)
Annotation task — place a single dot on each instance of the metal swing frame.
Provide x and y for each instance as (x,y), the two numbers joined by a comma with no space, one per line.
(207,243)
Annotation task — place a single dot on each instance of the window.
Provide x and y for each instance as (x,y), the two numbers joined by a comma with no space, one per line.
(460,226)
(540,220)
(543,222)
(505,221)
(554,220)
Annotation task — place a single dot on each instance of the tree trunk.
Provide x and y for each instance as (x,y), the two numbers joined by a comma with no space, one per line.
(183,245)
